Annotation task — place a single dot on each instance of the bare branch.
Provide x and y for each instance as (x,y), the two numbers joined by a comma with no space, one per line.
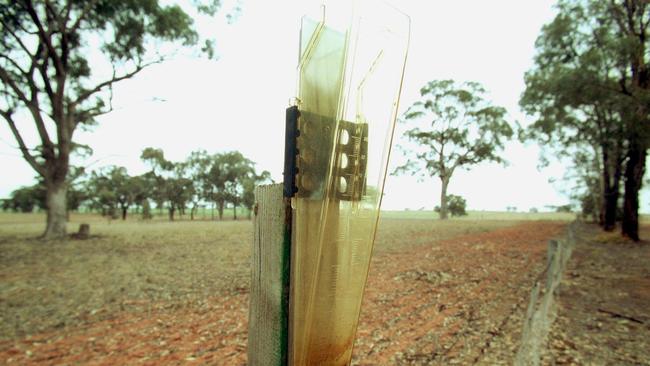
(34,60)
(42,68)
(45,37)
(14,63)
(30,103)
(97,110)
(101,112)
(17,38)
(112,80)
(7,79)
(21,143)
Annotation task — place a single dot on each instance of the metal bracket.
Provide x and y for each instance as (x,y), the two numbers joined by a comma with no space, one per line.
(315,147)
(291,151)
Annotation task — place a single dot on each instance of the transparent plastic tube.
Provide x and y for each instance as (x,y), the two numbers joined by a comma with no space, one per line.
(350,74)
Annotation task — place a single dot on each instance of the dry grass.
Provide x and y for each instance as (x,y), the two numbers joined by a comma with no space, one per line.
(132,265)
(125,265)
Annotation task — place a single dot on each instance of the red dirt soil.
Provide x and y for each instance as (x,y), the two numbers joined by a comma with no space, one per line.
(447,302)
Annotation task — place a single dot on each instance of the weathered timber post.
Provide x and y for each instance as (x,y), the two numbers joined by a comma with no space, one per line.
(268,321)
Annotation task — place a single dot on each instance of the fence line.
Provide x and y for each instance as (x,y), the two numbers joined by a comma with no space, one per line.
(540,313)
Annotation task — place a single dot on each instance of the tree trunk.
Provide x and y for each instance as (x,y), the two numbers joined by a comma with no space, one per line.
(124,211)
(221,204)
(610,194)
(610,184)
(611,204)
(146,210)
(213,204)
(600,202)
(443,198)
(192,210)
(234,211)
(56,199)
(171,212)
(598,217)
(638,130)
(634,170)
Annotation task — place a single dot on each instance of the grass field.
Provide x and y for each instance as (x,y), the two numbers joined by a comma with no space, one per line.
(132,264)
(150,270)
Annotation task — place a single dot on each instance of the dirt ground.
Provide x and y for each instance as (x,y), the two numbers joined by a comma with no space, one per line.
(455,302)
(450,301)
(603,312)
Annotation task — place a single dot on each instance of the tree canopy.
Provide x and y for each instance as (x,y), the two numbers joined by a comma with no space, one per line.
(45,53)
(174,185)
(452,126)
(589,94)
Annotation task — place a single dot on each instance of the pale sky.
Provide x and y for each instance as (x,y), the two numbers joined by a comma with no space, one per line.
(238,102)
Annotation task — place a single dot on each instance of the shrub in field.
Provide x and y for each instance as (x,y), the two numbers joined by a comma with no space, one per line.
(456,205)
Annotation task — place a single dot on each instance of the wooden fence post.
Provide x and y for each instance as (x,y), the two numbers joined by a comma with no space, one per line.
(268,321)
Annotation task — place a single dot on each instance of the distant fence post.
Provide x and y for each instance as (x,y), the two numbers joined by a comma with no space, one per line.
(268,321)
(540,313)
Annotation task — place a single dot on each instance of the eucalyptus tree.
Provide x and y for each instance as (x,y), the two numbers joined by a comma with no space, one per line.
(590,83)
(119,181)
(179,191)
(102,195)
(25,199)
(629,20)
(215,187)
(248,188)
(229,172)
(240,170)
(6,204)
(45,71)
(589,190)
(139,193)
(110,190)
(197,166)
(231,178)
(572,92)
(452,127)
(129,190)
(171,183)
(223,179)
(576,120)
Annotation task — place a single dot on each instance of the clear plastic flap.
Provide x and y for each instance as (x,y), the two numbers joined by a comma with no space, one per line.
(351,67)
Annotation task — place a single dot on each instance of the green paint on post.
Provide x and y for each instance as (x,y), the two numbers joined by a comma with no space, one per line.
(286,283)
